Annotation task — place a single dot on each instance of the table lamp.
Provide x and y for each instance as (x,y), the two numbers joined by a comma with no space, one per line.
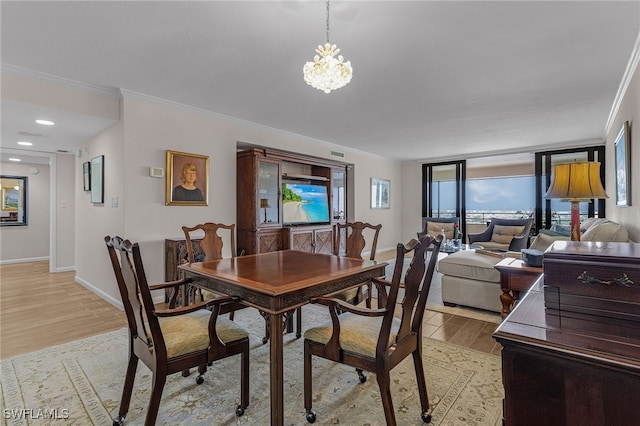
(575,182)
(264,204)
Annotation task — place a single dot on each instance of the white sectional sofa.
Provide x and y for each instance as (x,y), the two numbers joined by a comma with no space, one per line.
(470,279)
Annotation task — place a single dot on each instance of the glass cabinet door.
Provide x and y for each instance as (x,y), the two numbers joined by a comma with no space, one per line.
(268,199)
(338,195)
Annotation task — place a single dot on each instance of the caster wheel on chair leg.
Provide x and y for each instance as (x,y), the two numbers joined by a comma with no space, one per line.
(200,379)
(426,417)
(119,421)
(239,411)
(361,376)
(311,416)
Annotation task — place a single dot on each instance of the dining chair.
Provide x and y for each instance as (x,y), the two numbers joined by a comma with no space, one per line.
(350,239)
(171,340)
(210,247)
(375,340)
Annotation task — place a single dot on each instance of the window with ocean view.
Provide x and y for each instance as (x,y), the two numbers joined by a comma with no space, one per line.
(501,197)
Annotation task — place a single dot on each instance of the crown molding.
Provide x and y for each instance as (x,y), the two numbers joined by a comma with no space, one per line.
(632,65)
(520,150)
(10,69)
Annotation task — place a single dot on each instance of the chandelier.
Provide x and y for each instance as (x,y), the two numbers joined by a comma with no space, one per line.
(327,72)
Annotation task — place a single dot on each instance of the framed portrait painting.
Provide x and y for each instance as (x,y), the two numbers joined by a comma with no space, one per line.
(187,181)
(380,193)
(623,166)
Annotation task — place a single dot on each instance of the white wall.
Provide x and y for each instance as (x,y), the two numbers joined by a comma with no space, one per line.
(31,242)
(65,218)
(95,221)
(629,110)
(149,128)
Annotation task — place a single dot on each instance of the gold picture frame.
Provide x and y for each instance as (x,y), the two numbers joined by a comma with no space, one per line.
(181,189)
(10,198)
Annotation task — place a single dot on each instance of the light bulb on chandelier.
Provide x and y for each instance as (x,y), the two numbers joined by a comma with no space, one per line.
(327,72)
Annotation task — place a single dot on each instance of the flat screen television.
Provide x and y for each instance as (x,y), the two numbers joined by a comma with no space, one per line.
(304,203)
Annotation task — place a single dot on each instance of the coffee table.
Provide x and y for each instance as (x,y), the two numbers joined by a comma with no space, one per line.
(461,247)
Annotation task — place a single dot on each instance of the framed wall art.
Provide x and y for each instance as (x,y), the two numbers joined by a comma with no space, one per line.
(380,193)
(13,211)
(187,182)
(623,166)
(86,176)
(97,179)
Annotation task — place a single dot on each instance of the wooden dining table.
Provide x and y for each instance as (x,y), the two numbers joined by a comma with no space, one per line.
(276,283)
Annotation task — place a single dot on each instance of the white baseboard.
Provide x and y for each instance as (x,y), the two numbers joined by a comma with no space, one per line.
(31,259)
(115,302)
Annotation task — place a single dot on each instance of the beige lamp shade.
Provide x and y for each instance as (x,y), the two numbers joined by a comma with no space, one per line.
(576,182)
(264,203)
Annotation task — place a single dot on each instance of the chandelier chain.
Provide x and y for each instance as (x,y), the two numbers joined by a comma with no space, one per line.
(327,21)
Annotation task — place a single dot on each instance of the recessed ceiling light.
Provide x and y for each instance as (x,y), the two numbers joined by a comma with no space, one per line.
(25,143)
(14,159)
(45,122)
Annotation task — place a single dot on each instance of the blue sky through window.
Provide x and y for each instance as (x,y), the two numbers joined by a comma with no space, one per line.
(494,194)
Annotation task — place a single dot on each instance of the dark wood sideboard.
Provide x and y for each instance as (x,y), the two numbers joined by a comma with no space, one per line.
(555,375)
(175,253)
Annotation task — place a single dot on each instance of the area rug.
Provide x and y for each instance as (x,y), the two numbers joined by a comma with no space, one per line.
(81,383)
(434,300)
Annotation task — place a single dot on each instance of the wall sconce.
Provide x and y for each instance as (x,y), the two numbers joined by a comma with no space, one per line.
(264,204)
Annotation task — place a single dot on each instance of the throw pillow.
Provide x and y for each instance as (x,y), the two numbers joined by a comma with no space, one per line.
(504,234)
(543,241)
(435,228)
(561,229)
(606,232)
(591,222)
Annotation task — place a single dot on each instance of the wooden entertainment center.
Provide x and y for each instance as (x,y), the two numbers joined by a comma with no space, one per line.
(259,212)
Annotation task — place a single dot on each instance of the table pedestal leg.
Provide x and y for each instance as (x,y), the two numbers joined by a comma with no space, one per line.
(276,369)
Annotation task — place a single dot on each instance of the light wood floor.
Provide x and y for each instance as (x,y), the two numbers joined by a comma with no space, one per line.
(39,309)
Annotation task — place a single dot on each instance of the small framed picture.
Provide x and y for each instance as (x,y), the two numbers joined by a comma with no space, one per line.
(86,176)
(187,182)
(97,179)
(623,166)
(380,193)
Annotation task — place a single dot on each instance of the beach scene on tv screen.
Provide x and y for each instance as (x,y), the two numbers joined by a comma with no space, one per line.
(304,203)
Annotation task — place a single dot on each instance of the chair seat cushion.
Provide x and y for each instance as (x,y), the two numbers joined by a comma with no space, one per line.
(358,334)
(469,264)
(190,332)
(347,295)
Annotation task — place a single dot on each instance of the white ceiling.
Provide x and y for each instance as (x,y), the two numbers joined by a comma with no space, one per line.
(431,80)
